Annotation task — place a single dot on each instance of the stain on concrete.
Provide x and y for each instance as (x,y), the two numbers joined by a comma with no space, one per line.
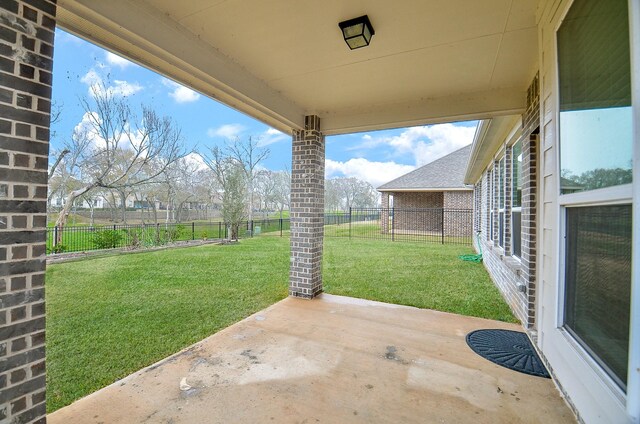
(392,355)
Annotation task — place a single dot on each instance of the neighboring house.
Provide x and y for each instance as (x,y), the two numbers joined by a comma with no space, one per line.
(437,195)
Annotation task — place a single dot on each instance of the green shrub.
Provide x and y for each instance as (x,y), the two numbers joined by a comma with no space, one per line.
(58,248)
(106,239)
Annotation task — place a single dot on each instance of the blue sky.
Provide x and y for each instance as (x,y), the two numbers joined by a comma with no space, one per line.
(376,157)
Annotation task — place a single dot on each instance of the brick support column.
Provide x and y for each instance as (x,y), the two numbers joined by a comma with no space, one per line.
(26,52)
(307,210)
(384,213)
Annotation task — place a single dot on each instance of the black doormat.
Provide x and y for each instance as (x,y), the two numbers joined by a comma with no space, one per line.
(510,349)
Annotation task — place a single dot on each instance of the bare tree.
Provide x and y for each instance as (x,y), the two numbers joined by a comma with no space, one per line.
(345,193)
(115,150)
(231,178)
(248,154)
(282,192)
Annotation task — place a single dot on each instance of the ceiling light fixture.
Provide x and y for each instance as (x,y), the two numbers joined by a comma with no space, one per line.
(357,32)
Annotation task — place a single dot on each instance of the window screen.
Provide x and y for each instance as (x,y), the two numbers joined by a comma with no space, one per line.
(598,283)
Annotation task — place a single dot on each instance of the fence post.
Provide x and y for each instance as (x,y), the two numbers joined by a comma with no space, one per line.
(280,227)
(393,224)
(350,222)
(251,228)
(55,236)
(219,230)
(114,238)
(193,231)
(442,226)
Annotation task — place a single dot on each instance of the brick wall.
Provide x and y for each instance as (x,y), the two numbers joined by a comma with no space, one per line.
(412,200)
(426,221)
(515,277)
(26,52)
(457,221)
(384,214)
(307,210)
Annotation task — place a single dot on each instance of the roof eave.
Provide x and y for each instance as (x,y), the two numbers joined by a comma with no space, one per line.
(425,189)
(490,135)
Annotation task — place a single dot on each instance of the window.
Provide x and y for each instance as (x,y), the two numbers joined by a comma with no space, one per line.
(595,96)
(501,202)
(516,198)
(491,202)
(596,153)
(597,286)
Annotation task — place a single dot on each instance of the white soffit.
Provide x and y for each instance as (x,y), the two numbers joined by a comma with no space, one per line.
(490,135)
(429,61)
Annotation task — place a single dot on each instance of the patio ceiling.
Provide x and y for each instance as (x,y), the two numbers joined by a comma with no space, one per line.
(429,61)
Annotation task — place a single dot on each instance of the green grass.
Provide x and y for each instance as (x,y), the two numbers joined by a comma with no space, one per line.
(425,275)
(108,317)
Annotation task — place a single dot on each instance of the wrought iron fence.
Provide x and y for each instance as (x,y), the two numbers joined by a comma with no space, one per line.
(436,225)
(84,238)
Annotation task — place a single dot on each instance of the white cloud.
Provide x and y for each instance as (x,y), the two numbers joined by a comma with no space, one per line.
(227,131)
(195,161)
(87,126)
(115,60)
(376,173)
(425,144)
(180,93)
(270,136)
(120,88)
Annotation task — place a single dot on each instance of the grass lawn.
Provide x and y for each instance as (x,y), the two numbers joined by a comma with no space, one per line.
(108,317)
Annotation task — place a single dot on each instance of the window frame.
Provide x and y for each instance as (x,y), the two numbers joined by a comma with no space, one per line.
(613,195)
(516,209)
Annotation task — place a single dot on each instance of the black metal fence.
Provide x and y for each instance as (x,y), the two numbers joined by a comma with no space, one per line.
(84,238)
(437,225)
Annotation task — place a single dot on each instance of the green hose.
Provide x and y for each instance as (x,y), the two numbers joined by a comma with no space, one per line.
(474,258)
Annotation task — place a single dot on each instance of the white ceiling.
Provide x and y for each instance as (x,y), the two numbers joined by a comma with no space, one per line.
(278,60)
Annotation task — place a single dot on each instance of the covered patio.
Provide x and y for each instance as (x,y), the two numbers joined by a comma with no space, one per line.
(286,64)
(333,360)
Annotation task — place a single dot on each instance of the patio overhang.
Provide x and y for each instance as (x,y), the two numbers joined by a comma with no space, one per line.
(490,134)
(280,61)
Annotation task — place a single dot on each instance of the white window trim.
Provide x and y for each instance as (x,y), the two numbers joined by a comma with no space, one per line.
(633,379)
(623,194)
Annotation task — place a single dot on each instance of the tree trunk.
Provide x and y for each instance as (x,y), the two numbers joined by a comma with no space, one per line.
(123,199)
(66,208)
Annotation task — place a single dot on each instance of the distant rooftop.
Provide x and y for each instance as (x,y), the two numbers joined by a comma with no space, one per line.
(441,174)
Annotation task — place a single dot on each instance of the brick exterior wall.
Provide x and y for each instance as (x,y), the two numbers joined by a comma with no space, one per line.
(418,199)
(531,128)
(384,214)
(458,222)
(423,212)
(307,210)
(26,52)
(516,278)
(404,220)
(529,226)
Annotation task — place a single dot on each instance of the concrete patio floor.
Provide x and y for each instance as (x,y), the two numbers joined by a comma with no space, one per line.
(330,360)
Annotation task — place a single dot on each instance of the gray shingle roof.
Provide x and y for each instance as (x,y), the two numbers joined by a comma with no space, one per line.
(444,173)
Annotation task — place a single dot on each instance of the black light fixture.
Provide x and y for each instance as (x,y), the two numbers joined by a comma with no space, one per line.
(357,32)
